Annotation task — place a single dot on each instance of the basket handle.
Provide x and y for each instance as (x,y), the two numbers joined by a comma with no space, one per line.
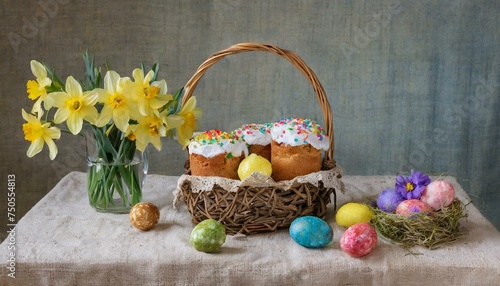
(288,55)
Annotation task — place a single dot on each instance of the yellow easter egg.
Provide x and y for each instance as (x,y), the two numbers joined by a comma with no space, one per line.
(352,213)
(254,163)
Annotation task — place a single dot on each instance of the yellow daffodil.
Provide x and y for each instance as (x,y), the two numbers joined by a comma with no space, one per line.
(149,130)
(74,106)
(130,134)
(117,105)
(148,96)
(190,114)
(36,88)
(38,134)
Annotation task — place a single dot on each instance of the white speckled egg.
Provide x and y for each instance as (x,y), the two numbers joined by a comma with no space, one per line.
(311,232)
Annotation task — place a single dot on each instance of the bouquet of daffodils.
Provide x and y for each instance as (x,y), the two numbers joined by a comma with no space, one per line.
(121,115)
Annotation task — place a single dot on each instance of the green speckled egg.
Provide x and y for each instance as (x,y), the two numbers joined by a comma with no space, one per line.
(208,236)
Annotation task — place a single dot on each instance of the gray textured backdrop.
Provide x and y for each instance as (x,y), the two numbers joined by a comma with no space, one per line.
(412,84)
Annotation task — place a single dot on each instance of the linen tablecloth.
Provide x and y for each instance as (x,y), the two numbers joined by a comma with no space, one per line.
(63,241)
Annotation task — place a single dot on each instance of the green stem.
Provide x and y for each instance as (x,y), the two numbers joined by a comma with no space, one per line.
(115,171)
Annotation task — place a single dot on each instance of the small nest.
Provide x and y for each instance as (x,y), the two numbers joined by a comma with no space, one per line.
(423,230)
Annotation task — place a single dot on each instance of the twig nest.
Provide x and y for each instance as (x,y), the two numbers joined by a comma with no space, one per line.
(144,216)
(421,229)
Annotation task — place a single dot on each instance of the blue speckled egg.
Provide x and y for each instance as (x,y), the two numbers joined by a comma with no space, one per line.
(311,232)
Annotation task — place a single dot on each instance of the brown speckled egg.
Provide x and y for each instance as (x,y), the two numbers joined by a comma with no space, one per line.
(144,216)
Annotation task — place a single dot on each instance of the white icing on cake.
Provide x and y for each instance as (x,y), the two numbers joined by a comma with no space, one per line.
(299,131)
(215,142)
(255,134)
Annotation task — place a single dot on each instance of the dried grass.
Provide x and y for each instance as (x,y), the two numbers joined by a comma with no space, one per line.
(422,230)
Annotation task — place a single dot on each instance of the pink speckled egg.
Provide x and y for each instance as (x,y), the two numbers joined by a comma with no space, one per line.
(359,239)
(413,207)
(438,194)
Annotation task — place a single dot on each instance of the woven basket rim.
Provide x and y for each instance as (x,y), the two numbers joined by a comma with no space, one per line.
(293,58)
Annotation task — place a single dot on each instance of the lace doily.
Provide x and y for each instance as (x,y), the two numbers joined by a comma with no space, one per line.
(330,179)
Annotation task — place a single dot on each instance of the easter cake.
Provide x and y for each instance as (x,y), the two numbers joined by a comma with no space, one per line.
(216,153)
(296,148)
(257,137)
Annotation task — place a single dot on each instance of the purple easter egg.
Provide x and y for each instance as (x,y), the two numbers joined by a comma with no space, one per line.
(388,200)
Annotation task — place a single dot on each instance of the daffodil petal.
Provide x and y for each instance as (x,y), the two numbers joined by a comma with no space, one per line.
(162,130)
(184,135)
(46,105)
(189,105)
(138,75)
(140,145)
(148,77)
(156,103)
(105,116)
(197,112)
(26,116)
(102,94)
(52,147)
(37,107)
(142,107)
(89,97)
(142,138)
(165,97)
(73,87)
(142,133)
(162,84)
(45,82)
(75,123)
(124,84)
(110,80)
(89,113)
(57,99)
(121,118)
(174,121)
(155,140)
(53,132)
(135,114)
(61,115)
(128,88)
(35,147)
(38,69)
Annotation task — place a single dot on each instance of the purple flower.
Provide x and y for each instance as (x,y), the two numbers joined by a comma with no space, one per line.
(411,187)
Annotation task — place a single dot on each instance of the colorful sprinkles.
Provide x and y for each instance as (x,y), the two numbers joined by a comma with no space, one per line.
(253,129)
(302,127)
(215,136)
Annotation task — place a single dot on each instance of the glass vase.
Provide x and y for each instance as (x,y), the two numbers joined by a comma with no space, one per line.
(116,170)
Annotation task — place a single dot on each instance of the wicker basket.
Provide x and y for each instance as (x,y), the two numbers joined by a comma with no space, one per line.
(261,206)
